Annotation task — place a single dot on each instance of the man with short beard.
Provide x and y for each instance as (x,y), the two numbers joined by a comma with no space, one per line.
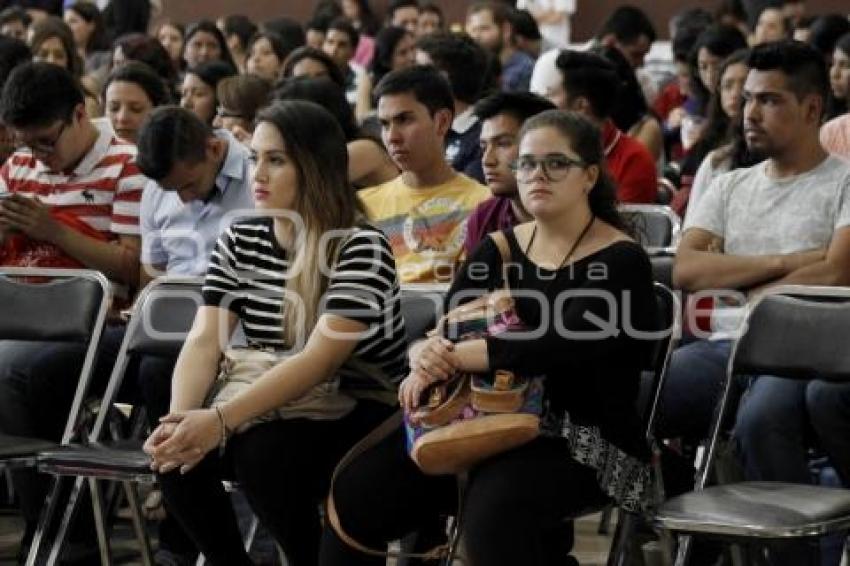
(784,221)
(490,25)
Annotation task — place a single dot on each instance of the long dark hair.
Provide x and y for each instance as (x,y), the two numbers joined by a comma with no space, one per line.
(92,15)
(631,107)
(324,92)
(53,26)
(145,78)
(148,50)
(586,141)
(718,128)
(307,52)
(210,28)
(720,41)
(369,23)
(839,106)
(127,16)
(385,44)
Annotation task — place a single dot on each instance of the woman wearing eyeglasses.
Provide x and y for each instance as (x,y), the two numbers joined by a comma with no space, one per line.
(583,284)
(240,97)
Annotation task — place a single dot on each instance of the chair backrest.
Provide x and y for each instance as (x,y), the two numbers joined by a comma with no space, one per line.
(63,305)
(161,319)
(71,300)
(789,332)
(662,269)
(656,227)
(420,307)
(792,333)
(164,314)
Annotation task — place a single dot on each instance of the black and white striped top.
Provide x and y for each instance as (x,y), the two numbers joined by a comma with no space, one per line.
(247,275)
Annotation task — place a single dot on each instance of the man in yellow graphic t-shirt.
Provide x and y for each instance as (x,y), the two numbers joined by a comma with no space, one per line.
(424,210)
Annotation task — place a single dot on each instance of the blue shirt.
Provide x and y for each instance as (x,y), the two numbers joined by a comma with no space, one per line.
(516,72)
(463,145)
(181,236)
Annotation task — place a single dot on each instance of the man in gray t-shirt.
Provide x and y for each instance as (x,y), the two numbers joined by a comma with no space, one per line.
(784,221)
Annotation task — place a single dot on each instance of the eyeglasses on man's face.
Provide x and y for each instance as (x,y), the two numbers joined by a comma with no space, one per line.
(42,145)
(555,166)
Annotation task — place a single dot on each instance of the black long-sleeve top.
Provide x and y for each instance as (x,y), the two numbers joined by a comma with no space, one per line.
(592,362)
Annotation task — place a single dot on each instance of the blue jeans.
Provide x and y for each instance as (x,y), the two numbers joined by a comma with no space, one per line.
(693,386)
(37,385)
(777,420)
(828,405)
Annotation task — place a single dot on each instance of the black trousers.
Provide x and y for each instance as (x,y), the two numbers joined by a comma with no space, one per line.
(513,503)
(37,385)
(284,467)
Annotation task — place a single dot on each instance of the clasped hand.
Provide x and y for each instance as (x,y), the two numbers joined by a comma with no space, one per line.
(431,360)
(182,439)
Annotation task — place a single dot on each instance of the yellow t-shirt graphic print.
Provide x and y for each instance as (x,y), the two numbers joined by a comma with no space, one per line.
(426,226)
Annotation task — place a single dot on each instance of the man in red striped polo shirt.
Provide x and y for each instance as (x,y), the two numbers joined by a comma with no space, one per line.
(75,187)
(70,198)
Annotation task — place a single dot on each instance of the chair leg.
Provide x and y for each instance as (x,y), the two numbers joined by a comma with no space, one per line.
(252,533)
(100,522)
(683,550)
(739,554)
(454,542)
(130,489)
(620,552)
(604,527)
(45,521)
(67,519)
(665,540)
(10,486)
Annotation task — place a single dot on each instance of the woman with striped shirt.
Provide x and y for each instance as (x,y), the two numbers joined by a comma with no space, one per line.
(306,276)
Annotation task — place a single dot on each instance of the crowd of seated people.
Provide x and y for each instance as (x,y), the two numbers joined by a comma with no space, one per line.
(418,138)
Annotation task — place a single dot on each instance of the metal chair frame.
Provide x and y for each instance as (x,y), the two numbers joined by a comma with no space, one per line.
(96,327)
(88,475)
(662,210)
(689,528)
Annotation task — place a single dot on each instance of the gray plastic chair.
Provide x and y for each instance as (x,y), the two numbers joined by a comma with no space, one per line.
(656,226)
(75,302)
(794,332)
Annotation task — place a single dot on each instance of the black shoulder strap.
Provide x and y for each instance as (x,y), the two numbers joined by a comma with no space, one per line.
(504,247)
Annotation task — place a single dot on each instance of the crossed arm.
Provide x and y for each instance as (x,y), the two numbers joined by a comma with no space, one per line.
(700,264)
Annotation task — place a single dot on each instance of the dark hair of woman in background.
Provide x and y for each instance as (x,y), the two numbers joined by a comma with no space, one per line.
(369,163)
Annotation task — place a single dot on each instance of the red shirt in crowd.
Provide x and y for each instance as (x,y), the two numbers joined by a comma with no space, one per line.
(631,165)
(671,97)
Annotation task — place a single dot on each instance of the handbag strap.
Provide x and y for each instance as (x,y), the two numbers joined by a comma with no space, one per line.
(371,440)
(504,248)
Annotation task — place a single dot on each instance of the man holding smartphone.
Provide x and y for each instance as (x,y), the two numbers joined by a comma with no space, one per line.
(73,201)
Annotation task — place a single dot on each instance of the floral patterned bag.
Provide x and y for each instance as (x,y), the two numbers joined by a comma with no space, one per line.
(474,416)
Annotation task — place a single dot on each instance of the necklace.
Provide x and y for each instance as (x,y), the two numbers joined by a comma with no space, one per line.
(572,249)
